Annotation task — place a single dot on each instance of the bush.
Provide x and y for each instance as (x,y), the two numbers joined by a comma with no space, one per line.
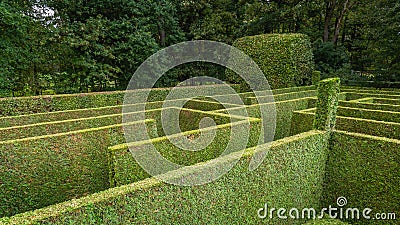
(369,114)
(283,97)
(41,171)
(284,111)
(301,123)
(125,170)
(327,103)
(372,105)
(285,59)
(365,170)
(40,104)
(283,180)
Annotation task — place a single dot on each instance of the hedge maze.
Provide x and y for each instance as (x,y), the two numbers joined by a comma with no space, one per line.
(64,159)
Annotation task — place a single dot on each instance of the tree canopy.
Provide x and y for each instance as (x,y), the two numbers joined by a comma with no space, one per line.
(78,46)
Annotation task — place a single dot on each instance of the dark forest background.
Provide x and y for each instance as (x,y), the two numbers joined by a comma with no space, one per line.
(69,46)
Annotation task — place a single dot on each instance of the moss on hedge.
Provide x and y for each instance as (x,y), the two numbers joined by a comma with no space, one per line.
(285,59)
(365,170)
(284,179)
(327,103)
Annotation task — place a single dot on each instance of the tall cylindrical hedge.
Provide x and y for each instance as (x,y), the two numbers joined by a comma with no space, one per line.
(285,59)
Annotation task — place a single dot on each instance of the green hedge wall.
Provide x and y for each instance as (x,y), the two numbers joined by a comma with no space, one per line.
(379,115)
(284,179)
(41,171)
(370,127)
(284,112)
(38,104)
(390,91)
(326,222)
(22,120)
(327,103)
(365,170)
(285,59)
(301,123)
(387,101)
(356,95)
(188,120)
(293,89)
(373,106)
(125,170)
(48,128)
(284,96)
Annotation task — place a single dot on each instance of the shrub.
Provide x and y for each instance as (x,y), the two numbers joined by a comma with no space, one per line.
(284,111)
(283,97)
(283,180)
(373,106)
(285,59)
(369,114)
(327,103)
(301,123)
(39,104)
(41,171)
(125,170)
(365,170)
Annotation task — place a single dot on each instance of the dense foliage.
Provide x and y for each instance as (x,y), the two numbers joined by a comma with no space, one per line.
(80,46)
(285,59)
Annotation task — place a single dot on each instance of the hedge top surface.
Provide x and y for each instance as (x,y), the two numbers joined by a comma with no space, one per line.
(74,204)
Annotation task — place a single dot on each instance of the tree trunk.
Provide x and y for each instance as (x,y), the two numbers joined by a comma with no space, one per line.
(339,22)
(330,7)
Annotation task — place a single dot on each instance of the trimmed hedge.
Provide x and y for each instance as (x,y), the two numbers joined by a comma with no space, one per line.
(387,101)
(285,59)
(373,106)
(188,120)
(11,121)
(356,95)
(370,114)
(125,170)
(326,222)
(50,103)
(371,90)
(365,170)
(301,123)
(327,103)
(284,112)
(284,179)
(48,128)
(284,96)
(37,172)
(293,89)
